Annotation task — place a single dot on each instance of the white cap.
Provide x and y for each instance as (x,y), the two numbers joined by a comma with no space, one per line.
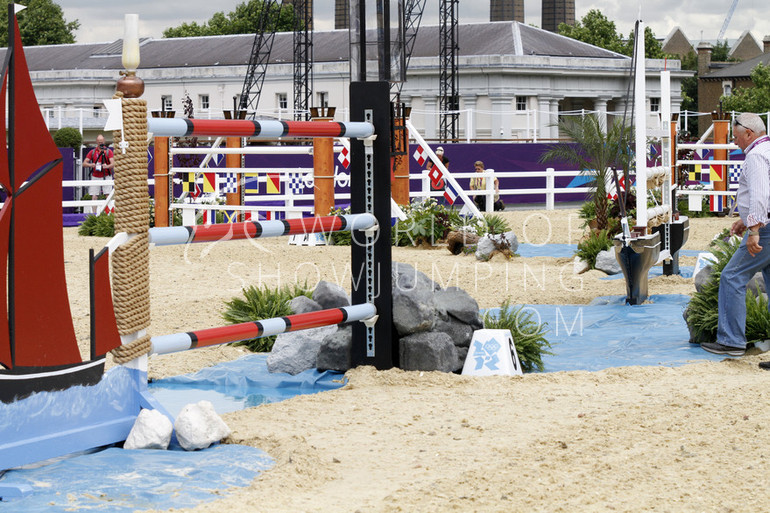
(440,149)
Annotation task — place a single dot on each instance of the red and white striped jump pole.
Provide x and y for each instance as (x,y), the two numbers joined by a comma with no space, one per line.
(213,336)
(263,129)
(167,236)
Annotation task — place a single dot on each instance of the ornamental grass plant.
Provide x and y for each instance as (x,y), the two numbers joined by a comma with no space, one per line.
(528,335)
(260,303)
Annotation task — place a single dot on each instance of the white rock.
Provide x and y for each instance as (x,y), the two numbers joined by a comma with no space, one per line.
(198,426)
(151,430)
(579,266)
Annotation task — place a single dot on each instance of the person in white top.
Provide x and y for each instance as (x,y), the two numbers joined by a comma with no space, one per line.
(753,253)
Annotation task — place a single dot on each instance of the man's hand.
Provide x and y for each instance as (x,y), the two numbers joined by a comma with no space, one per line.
(737,228)
(752,244)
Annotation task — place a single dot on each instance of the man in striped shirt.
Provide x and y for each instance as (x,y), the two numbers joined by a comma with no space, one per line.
(753,254)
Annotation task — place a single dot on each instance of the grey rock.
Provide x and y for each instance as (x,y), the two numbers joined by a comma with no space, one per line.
(703,277)
(459,304)
(303,304)
(414,307)
(489,243)
(297,351)
(462,354)
(484,248)
(460,332)
(330,295)
(513,241)
(407,278)
(429,351)
(757,284)
(335,351)
(198,426)
(606,262)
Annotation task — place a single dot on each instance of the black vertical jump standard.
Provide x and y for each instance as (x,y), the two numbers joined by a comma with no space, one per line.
(371,252)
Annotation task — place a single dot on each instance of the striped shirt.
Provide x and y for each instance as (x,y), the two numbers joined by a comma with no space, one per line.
(753,198)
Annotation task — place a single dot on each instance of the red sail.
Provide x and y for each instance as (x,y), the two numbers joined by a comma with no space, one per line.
(43,334)
(5,339)
(104,327)
(6,358)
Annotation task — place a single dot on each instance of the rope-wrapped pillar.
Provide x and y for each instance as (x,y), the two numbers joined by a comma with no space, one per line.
(130,262)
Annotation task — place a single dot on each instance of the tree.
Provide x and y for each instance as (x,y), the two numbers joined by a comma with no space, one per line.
(751,99)
(243,20)
(596,151)
(41,23)
(594,28)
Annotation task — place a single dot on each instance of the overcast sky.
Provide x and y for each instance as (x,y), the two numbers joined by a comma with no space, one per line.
(102,21)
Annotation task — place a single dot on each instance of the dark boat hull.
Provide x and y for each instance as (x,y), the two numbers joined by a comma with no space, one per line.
(635,259)
(22,382)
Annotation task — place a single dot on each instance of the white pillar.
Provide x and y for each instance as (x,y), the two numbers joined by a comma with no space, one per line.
(554,118)
(470,104)
(600,105)
(544,117)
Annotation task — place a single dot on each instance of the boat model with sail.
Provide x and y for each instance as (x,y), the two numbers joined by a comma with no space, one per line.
(38,347)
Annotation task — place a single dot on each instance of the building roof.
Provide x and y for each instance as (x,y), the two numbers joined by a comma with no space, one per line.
(477,39)
(739,70)
(746,47)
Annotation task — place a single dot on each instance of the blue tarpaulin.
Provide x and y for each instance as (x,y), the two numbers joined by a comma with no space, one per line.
(239,384)
(610,333)
(117,480)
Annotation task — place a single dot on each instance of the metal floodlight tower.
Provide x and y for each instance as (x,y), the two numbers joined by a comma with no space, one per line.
(449,100)
(303,58)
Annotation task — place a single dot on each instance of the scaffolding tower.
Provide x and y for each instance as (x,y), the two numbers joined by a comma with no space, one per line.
(260,56)
(303,58)
(449,100)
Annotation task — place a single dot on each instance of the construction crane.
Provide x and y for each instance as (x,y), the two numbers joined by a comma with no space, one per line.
(260,55)
(727,20)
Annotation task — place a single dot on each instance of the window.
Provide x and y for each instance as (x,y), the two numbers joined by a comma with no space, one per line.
(282,100)
(654,104)
(323,99)
(97,111)
(166,102)
(203,101)
(521,103)
(727,87)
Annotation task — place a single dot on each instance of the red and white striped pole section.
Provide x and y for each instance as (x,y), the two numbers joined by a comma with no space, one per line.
(165,344)
(263,129)
(165,236)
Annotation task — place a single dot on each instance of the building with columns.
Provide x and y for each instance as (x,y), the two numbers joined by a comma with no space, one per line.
(514,80)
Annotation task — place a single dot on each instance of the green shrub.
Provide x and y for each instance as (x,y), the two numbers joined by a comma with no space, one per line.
(102,225)
(427,222)
(492,224)
(68,137)
(528,335)
(702,311)
(258,304)
(590,247)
